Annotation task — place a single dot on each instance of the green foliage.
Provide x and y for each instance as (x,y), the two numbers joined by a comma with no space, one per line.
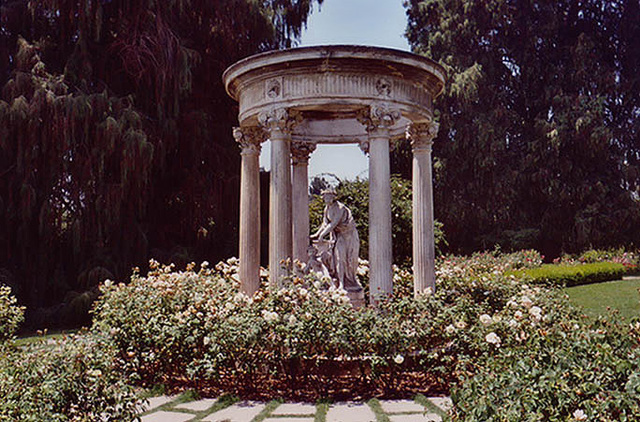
(355,195)
(72,379)
(573,275)
(11,315)
(537,144)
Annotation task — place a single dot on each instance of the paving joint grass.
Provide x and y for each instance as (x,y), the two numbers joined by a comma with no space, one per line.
(381,416)
(322,407)
(431,407)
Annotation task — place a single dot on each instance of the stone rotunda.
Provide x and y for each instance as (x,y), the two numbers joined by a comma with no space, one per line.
(302,97)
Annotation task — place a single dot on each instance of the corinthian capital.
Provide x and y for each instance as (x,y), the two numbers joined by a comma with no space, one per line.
(279,118)
(378,116)
(300,152)
(249,139)
(422,135)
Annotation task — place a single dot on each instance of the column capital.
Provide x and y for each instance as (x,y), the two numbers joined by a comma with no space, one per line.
(279,119)
(378,116)
(364,146)
(422,135)
(300,152)
(249,138)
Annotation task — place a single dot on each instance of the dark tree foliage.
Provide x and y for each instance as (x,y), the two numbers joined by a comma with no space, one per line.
(539,141)
(115,134)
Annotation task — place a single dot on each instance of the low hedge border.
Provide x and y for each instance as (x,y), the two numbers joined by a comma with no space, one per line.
(573,275)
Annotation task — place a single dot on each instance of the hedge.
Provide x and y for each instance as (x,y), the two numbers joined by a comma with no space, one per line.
(573,275)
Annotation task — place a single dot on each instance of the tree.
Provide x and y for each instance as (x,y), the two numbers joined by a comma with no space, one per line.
(539,125)
(115,133)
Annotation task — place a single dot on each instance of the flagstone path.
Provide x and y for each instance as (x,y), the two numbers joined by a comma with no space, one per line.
(174,409)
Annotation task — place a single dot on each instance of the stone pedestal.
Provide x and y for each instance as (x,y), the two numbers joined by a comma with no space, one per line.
(356,297)
(249,248)
(422,136)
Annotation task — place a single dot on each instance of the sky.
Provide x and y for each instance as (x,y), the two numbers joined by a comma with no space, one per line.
(379,23)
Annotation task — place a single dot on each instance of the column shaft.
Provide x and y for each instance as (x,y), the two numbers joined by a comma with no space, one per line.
(424,278)
(300,211)
(300,152)
(380,246)
(249,248)
(280,244)
(423,239)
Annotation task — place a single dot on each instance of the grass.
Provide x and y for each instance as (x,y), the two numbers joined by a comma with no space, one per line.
(621,295)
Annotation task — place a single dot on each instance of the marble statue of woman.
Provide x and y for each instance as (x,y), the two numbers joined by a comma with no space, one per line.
(338,223)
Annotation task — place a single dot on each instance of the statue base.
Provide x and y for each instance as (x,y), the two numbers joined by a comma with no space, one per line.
(356,297)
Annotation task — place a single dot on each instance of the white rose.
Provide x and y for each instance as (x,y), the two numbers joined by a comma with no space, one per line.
(461,325)
(493,339)
(579,415)
(486,319)
(536,312)
(399,359)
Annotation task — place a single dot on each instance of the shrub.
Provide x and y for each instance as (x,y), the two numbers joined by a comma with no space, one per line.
(11,315)
(574,275)
(630,260)
(70,380)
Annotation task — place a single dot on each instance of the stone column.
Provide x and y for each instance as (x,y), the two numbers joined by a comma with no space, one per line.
(278,124)
(378,121)
(300,152)
(422,135)
(249,248)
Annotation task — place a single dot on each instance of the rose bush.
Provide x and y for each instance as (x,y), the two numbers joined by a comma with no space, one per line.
(71,379)
(503,348)
(197,323)
(11,315)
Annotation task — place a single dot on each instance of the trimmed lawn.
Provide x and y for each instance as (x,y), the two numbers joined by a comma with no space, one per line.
(621,295)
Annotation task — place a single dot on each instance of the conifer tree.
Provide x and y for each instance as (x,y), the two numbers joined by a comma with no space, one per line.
(115,134)
(540,122)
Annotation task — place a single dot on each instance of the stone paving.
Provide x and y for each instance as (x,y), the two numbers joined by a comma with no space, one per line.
(172,409)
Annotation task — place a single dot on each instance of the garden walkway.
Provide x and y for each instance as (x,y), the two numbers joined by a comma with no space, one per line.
(422,409)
